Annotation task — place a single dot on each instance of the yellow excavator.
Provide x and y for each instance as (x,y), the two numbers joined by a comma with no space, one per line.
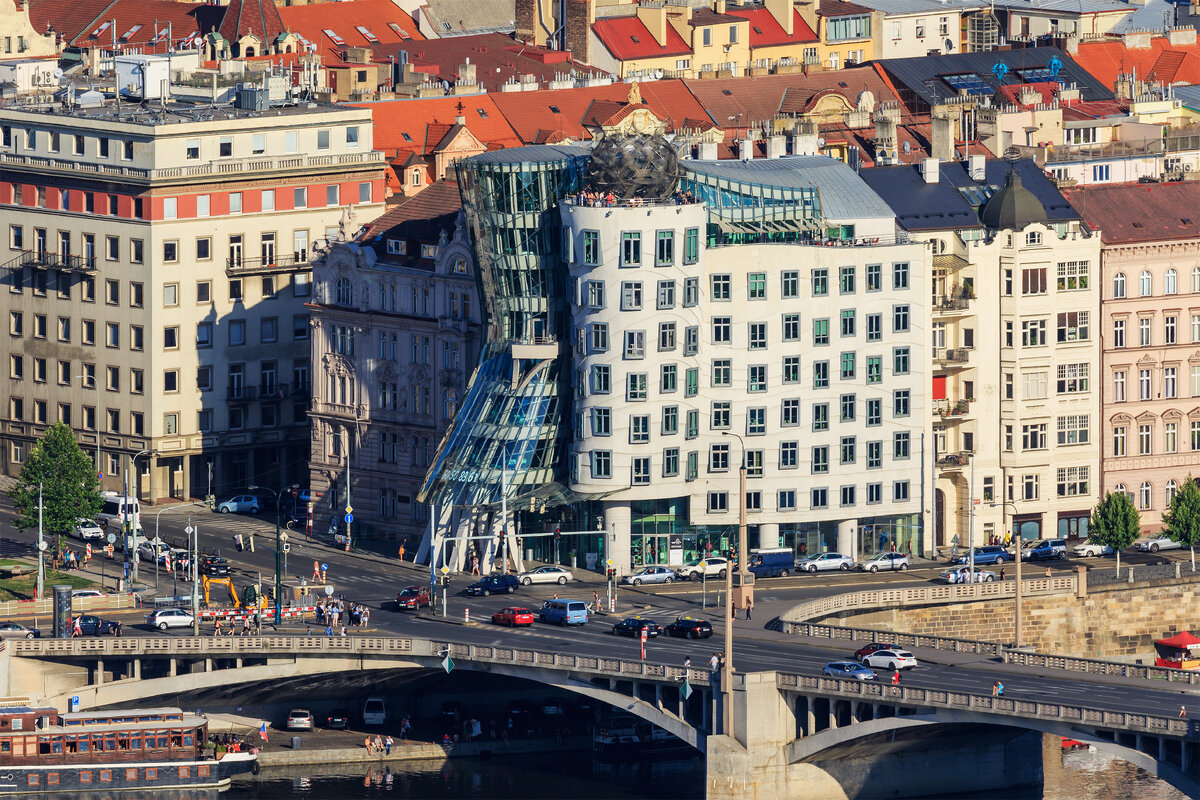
(251,598)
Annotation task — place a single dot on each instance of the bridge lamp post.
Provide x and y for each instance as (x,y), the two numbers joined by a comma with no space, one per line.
(279,548)
(744,584)
(1017,545)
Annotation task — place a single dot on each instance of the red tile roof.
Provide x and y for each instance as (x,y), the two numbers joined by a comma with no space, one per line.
(425,121)
(1161,61)
(765,30)
(627,38)
(567,110)
(1139,212)
(375,17)
(706,16)
(420,218)
(840,8)
(497,59)
(84,22)
(259,17)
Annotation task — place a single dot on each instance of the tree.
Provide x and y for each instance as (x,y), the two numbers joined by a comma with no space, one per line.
(1181,522)
(1115,523)
(68,480)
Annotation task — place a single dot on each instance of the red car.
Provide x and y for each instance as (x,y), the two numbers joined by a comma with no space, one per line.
(413,597)
(871,648)
(513,617)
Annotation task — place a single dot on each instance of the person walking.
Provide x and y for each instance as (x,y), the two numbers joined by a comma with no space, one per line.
(1002,573)
(76,629)
(401,553)
(1183,712)
(687,662)
(749,606)
(316,576)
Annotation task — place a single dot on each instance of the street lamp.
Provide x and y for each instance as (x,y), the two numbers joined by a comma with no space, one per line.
(1017,546)
(744,583)
(131,557)
(96,386)
(278,550)
(157,539)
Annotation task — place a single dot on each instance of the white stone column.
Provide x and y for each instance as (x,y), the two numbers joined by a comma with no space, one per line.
(616,536)
(848,538)
(768,535)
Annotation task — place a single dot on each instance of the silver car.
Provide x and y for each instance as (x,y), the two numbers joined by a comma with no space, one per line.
(963,575)
(822,562)
(649,575)
(547,574)
(885,561)
(1156,543)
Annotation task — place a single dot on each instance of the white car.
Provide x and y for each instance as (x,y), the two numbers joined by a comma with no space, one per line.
(148,550)
(82,594)
(165,618)
(88,530)
(547,574)
(714,567)
(1092,549)
(1156,543)
(963,575)
(890,659)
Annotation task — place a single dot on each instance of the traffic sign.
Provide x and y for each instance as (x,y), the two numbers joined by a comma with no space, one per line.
(189,530)
(328,590)
(43,546)
(445,570)
(447,664)
(349,509)
(349,518)
(703,565)
(283,537)
(686,691)
(610,562)
(324,567)
(112,537)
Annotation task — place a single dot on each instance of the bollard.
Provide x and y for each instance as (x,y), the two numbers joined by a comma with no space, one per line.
(1177,565)
(466,615)
(612,605)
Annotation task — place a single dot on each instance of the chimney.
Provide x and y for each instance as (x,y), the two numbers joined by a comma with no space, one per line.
(885,139)
(467,74)
(776,146)
(942,138)
(746,149)
(804,138)
(719,6)
(977,167)
(1181,37)
(708,151)
(783,13)
(930,170)
(654,16)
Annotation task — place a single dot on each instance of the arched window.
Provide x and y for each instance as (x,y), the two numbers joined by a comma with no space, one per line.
(1120,489)
(1033,238)
(343,292)
(1196,279)
(1169,282)
(1144,283)
(1144,496)
(1119,284)
(1172,487)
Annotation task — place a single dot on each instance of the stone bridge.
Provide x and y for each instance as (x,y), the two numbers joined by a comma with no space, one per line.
(795,735)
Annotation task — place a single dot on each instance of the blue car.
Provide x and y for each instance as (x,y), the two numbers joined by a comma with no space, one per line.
(849,670)
(494,584)
(984,555)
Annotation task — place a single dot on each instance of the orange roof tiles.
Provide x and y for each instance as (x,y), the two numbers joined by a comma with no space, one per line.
(360,23)
(419,124)
(627,38)
(136,23)
(765,30)
(1161,61)
(259,17)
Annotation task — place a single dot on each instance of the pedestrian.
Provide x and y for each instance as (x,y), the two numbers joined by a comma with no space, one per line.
(118,630)
(596,600)
(343,630)
(995,688)
(749,606)
(367,744)
(217,629)
(316,576)
(1002,573)
(999,689)
(387,745)
(245,626)
(402,551)
(1048,574)
(733,610)
(77,628)
(687,662)
(713,663)
(329,630)
(1183,712)
(896,682)
(377,743)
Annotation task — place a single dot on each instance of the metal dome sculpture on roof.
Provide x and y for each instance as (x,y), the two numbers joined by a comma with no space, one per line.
(634,166)
(1012,207)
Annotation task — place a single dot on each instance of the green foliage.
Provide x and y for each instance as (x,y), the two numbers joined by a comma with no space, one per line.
(1181,522)
(68,480)
(1115,522)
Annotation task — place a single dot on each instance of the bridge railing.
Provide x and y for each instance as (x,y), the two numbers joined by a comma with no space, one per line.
(1095,666)
(111,602)
(927,595)
(1009,706)
(909,640)
(615,667)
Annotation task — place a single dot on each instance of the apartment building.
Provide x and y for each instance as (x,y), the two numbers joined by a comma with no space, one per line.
(158,272)
(1150,285)
(777,319)
(1016,348)
(396,334)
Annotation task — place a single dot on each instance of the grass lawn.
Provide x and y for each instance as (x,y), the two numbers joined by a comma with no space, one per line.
(22,588)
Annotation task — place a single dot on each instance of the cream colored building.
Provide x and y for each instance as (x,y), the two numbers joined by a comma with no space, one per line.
(165,253)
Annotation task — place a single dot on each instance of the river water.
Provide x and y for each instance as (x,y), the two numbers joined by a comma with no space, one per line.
(1076,775)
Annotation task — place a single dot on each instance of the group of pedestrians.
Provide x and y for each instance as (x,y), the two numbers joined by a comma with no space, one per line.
(379,745)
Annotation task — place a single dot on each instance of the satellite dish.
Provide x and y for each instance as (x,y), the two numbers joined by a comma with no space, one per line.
(658,73)
(907,146)
(58,73)
(820,141)
(949,45)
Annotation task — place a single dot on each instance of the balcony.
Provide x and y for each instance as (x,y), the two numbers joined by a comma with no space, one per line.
(952,356)
(952,408)
(951,306)
(43,259)
(241,394)
(955,462)
(949,261)
(265,266)
(535,346)
(232,167)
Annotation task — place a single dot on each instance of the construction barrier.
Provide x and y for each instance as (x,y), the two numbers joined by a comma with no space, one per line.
(225,614)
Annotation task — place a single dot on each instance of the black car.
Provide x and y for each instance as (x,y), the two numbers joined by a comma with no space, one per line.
(91,625)
(338,719)
(633,627)
(214,566)
(494,584)
(689,628)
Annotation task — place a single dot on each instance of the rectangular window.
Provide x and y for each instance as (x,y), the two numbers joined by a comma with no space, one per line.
(1033,333)
(631,249)
(1073,429)
(664,249)
(848,366)
(1072,276)
(820,331)
(756,286)
(631,295)
(758,335)
(848,323)
(635,386)
(900,319)
(757,378)
(691,292)
(790,412)
(1073,326)
(791,327)
(900,275)
(874,277)
(846,280)
(791,369)
(820,374)
(722,330)
(790,284)
(691,245)
(820,282)
(1033,280)
(722,287)
(666,295)
(591,248)
(789,454)
(1072,481)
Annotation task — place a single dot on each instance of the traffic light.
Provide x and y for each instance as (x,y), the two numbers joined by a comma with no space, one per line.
(612,574)
(557,535)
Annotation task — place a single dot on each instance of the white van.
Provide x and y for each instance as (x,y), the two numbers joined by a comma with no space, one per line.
(374,711)
(116,507)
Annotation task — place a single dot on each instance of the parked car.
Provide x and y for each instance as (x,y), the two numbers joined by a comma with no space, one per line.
(494,584)
(88,531)
(214,566)
(86,594)
(991,554)
(714,567)
(300,719)
(91,625)
(552,708)
(963,575)
(147,551)
(1046,549)
(1156,543)
(513,616)
(822,562)
(337,720)
(13,630)
(885,561)
(547,574)
(848,670)
(890,659)
(164,618)
(1092,549)
(633,627)
(649,575)
(413,597)
(241,504)
(689,628)
(873,647)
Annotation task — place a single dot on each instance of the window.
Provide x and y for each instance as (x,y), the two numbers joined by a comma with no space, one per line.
(820,282)
(874,327)
(601,463)
(1170,388)
(1119,285)
(756,286)
(757,378)
(756,422)
(1118,333)
(670,420)
(791,327)
(635,344)
(900,319)
(819,498)
(666,295)
(718,458)
(790,284)
(820,460)
(1100,173)
(237,332)
(1169,329)
(1144,283)
(601,379)
(1072,378)
(846,280)
(791,369)
(820,331)
(691,292)
(848,323)
(631,249)
(1144,496)
(848,405)
(718,502)
(722,287)
(300,197)
(635,386)
(900,360)
(848,368)
(1073,429)
(874,277)
(1144,332)
(1029,487)
(1145,434)
(591,248)
(1119,441)
(1144,378)
(847,495)
(664,250)
(901,403)
(874,369)
(820,374)
(900,275)
(631,295)
(1119,386)
(721,330)
(758,335)
(1033,280)
(691,245)
(1033,333)
(848,450)
(722,372)
(1171,437)
(639,429)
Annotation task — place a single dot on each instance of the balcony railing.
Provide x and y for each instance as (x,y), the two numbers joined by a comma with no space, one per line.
(952,303)
(281,262)
(955,460)
(241,394)
(225,166)
(952,355)
(45,259)
(953,408)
